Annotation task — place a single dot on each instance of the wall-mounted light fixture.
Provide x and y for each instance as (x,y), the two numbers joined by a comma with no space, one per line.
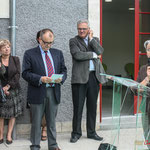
(108,0)
(131,8)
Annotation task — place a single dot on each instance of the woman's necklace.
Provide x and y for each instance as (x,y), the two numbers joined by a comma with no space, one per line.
(5,61)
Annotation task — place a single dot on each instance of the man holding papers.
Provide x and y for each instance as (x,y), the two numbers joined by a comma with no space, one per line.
(40,65)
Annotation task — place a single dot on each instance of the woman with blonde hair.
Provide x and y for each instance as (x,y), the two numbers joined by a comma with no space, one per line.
(9,81)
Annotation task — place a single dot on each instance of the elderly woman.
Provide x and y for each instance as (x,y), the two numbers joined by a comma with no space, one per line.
(144,79)
(9,78)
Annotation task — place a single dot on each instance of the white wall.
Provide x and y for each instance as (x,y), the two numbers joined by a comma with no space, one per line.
(94,16)
(4,8)
(94,19)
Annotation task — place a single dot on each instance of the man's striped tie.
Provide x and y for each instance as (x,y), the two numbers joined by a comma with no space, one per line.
(49,65)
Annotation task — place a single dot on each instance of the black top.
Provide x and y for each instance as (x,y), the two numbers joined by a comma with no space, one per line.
(5,82)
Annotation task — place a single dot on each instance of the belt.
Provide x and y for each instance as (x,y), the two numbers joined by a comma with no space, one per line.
(92,71)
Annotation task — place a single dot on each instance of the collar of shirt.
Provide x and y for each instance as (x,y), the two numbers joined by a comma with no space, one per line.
(43,57)
(42,51)
(86,40)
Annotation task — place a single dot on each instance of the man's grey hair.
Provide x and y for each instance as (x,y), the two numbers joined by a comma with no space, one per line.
(146,43)
(83,21)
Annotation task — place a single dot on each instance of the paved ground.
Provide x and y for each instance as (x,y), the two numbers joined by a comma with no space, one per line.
(126,141)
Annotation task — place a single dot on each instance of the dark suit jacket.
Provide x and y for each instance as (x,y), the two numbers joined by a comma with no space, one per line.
(13,73)
(33,69)
(81,54)
(142,74)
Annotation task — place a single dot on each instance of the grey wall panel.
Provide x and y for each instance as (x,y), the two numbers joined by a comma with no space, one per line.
(61,17)
(4,28)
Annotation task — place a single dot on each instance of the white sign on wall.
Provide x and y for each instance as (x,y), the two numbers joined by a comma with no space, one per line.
(4,8)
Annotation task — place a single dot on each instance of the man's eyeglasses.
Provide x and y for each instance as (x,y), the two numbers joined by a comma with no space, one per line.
(148,50)
(47,43)
(82,29)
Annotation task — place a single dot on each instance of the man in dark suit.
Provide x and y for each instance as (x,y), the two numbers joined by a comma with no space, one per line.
(39,64)
(86,53)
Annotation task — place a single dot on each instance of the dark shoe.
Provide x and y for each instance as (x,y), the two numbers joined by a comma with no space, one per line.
(57,148)
(1,141)
(95,137)
(74,139)
(9,142)
(35,147)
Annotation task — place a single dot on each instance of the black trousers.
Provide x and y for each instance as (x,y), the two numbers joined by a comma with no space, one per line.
(80,93)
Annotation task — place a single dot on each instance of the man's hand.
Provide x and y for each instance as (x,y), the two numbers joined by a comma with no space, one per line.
(99,56)
(147,79)
(148,72)
(46,79)
(90,34)
(58,80)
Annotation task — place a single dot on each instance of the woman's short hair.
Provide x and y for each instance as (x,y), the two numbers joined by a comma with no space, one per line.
(4,42)
(146,43)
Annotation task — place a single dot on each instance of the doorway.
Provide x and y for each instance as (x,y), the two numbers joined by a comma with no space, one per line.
(118,43)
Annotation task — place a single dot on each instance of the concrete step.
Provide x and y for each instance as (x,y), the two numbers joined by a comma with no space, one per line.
(108,123)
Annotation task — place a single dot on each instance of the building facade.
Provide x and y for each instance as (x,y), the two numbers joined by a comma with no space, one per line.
(60,16)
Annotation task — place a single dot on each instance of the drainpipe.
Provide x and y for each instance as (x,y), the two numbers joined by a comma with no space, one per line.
(13,40)
(13,26)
